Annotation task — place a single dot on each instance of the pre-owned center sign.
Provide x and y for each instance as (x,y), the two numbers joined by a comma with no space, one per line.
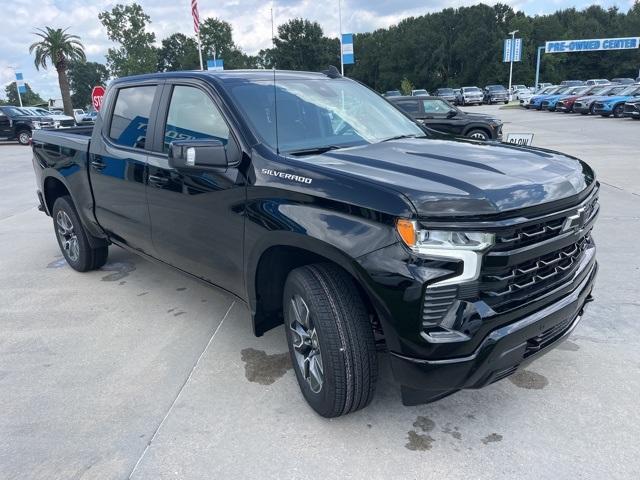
(592,45)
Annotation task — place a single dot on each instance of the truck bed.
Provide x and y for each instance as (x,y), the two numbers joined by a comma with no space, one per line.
(76,138)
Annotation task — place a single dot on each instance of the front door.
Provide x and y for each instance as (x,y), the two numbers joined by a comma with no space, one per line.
(197,218)
(436,115)
(118,166)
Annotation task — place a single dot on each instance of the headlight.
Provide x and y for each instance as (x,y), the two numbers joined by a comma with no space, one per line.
(417,239)
(36,125)
(467,247)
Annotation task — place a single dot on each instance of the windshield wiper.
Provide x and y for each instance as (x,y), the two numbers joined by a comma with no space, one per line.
(314,150)
(399,137)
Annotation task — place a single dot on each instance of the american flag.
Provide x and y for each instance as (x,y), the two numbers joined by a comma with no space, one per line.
(196,16)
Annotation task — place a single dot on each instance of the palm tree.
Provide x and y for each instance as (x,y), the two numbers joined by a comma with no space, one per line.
(59,48)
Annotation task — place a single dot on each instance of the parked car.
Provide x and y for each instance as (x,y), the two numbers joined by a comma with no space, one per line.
(566,104)
(458,93)
(598,81)
(495,94)
(632,109)
(392,93)
(585,105)
(59,119)
(439,115)
(419,92)
(515,88)
(541,86)
(336,216)
(522,92)
(572,83)
(536,100)
(525,101)
(550,101)
(447,94)
(470,96)
(623,81)
(614,105)
(18,124)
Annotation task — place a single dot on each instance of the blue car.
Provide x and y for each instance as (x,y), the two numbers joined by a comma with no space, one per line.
(536,102)
(550,102)
(615,105)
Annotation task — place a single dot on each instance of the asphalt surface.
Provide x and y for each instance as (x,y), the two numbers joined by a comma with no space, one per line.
(135,371)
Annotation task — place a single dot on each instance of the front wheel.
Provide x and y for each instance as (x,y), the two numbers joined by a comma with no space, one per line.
(73,239)
(24,137)
(618,111)
(330,339)
(478,134)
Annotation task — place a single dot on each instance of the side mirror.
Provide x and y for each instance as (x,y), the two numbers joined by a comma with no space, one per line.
(452,113)
(198,154)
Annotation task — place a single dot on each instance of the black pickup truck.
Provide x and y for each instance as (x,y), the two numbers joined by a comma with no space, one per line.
(323,207)
(18,124)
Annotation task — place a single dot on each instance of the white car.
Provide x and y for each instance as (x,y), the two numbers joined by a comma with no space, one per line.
(522,93)
(59,118)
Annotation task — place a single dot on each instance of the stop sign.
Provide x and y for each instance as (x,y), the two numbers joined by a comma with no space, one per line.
(96,97)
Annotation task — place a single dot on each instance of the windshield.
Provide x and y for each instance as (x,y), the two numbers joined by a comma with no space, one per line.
(314,114)
(495,88)
(445,91)
(580,90)
(420,92)
(471,90)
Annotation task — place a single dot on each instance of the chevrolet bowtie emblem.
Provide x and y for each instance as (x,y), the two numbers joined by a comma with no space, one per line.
(575,221)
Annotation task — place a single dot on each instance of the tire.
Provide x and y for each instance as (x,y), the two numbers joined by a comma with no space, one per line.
(506,102)
(73,239)
(618,111)
(478,134)
(24,137)
(329,333)
(592,109)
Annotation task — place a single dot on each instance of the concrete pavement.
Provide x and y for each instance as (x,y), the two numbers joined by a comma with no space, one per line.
(136,371)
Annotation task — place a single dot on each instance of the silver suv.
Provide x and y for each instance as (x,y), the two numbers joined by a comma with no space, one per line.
(470,96)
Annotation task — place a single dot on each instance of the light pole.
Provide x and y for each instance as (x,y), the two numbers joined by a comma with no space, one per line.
(15,76)
(540,50)
(513,48)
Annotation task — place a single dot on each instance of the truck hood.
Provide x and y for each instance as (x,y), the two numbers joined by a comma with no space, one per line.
(445,178)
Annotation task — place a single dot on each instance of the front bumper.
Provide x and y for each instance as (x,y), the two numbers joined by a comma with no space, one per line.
(500,354)
(632,111)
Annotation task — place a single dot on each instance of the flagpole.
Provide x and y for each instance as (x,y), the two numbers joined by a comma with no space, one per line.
(200,50)
(340,21)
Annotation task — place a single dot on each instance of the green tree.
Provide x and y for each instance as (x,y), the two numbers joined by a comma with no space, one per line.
(301,45)
(83,76)
(29,98)
(126,25)
(59,48)
(406,86)
(178,52)
(217,37)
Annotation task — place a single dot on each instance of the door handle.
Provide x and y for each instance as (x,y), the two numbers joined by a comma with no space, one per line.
(98,164)
(158,181)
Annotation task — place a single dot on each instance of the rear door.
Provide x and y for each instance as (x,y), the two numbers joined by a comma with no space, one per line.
(410,106)
(196,215)
(118,164)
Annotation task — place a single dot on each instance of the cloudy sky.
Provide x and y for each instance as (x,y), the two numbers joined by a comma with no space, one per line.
(250,19)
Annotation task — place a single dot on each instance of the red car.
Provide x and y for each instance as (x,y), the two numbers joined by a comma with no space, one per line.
(566,104)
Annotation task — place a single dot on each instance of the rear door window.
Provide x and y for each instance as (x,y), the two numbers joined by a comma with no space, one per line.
(409,106)
(131,116)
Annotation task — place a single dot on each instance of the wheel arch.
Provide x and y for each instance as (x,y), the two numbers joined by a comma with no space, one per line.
(269,266)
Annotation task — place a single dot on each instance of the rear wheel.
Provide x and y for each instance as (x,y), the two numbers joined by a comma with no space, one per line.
(330,339)
(73,239)
(478,134)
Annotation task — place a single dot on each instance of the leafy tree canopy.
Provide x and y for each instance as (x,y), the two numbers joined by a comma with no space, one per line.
(83,76)
(29,98)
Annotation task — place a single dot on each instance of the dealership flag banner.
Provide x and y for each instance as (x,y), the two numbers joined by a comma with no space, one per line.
(512,49)
(347,49)
(196,28)
(592,45)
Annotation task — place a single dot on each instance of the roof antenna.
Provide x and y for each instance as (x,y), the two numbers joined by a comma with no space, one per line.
(332,72)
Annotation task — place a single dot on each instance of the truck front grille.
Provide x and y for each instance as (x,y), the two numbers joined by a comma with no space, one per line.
(537,232)
(509,287)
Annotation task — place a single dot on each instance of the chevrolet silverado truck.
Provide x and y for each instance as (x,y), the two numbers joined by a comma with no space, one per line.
(324,208)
